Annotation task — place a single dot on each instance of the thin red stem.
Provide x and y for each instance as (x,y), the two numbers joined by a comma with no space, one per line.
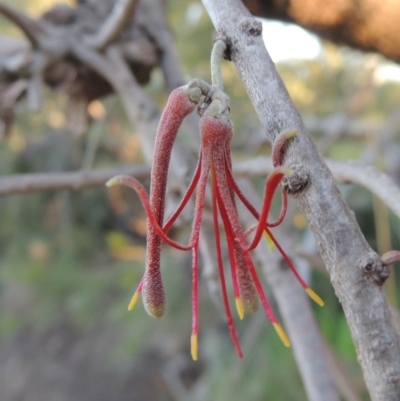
(247,203)
(270,186)
(230,241)
(282,213)
(185,198)
(235,227)
(254,212)
(221,266)
(141,191)
(226,204)
(194,239)
(195,289)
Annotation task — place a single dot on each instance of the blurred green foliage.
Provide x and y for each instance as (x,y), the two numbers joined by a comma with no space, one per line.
(72,255)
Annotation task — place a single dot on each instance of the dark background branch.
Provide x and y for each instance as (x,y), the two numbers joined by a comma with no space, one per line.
(362,24)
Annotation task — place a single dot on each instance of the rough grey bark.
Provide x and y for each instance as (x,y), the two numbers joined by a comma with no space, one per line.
(356,271)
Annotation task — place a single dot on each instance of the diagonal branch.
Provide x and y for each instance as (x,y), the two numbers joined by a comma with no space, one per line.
(162,36)
(121,14)
(30,27)
(356,271)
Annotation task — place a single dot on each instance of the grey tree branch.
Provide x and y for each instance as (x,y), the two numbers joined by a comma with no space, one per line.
(30,27)
(73,181)
(377,182)
(112,27)
(356,271)
(163,38)
(340,376)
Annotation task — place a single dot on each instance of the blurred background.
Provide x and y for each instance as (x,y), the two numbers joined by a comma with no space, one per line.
(70,261)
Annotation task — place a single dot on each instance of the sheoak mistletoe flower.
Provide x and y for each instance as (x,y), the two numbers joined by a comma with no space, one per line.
(214,164)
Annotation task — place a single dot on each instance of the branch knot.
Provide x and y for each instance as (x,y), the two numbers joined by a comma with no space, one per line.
(299,181)
(251,27)
(374,269)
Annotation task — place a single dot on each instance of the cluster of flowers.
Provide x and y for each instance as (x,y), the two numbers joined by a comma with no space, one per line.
(214,162)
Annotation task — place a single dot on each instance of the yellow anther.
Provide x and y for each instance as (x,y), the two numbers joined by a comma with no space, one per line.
(270,243)
(239,307)
(194,346)
(134,300)
(316,298)
(281,333)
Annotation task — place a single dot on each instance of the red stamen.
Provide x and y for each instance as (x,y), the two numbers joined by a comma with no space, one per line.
(133,183)
(272,183)
(221,266)
(195,302)
(224,204)
(214,131)
(247,203)
(254,212)
(283,211)
(240,270)
(194,239)
(186,197)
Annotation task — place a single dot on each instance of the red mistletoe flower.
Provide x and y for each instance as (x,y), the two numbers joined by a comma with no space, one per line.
(215,162)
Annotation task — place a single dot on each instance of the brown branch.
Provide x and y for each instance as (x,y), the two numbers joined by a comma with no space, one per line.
(356,271)
(121,14)
(71,181)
